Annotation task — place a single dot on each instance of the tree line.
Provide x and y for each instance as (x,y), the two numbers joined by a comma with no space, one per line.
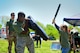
(49,29)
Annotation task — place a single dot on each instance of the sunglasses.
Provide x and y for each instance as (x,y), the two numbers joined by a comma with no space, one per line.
(12,15)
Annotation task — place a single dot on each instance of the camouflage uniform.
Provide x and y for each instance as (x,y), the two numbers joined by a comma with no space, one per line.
(12,37)
(23,39)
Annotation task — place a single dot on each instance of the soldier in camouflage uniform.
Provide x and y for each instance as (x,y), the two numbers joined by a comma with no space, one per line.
(10,33)
(21,27)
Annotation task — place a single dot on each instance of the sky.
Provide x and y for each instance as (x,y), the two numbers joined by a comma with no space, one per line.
(41,10)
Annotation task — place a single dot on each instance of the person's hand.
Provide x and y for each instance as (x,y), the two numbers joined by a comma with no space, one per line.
(74,47)
(23,25)
(53,22)
(23,32)
(7,36)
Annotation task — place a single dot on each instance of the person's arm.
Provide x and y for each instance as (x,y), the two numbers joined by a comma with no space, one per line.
(73,41)
(18,29)
(57,27)
(7,29)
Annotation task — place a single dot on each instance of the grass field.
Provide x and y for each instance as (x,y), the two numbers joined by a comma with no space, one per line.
(44,49)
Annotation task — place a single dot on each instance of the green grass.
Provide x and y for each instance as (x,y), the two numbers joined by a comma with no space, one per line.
(44,49)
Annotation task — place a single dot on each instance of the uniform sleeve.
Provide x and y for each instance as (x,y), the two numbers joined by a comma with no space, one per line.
(17,28)
(57,27)
(7,24)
